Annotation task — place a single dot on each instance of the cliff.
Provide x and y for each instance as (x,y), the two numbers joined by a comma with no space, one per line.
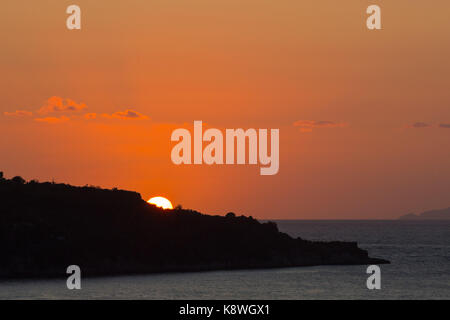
(45,227)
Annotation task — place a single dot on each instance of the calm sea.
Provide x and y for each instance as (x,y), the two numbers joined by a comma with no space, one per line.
(420,269)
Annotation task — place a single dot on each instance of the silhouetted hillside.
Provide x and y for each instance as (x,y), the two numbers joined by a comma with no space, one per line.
(44,227)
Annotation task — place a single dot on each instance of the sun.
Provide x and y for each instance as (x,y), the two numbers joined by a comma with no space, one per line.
(161,202)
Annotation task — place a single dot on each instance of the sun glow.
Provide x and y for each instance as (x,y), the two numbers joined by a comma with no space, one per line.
(161,202)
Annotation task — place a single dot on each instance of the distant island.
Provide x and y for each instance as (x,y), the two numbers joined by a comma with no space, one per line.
(45,227)
(441,214)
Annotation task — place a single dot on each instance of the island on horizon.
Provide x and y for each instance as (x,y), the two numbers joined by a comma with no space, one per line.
(438,214)
(45,227)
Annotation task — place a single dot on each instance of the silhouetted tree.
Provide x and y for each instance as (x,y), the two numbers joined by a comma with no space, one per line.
(230,215)
(272,225)
(18,180)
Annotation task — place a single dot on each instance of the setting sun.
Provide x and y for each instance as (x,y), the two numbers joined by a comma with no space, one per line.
(161,202)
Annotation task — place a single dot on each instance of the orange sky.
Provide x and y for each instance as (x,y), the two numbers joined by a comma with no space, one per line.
(232,64)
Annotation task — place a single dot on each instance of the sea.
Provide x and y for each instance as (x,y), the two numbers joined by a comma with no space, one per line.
(419,252)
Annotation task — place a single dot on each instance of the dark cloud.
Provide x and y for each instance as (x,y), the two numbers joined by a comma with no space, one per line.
(127,114)
(309,125)
(419,125)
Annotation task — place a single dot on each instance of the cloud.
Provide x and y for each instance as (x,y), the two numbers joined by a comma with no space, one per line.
(419,125)
(53,119)
(90,116)
(444,125)
(127,114)
(309,125)
(18,113)
(58,104)
(67,107)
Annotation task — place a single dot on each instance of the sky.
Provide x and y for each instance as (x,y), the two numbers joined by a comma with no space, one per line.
(364,115)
